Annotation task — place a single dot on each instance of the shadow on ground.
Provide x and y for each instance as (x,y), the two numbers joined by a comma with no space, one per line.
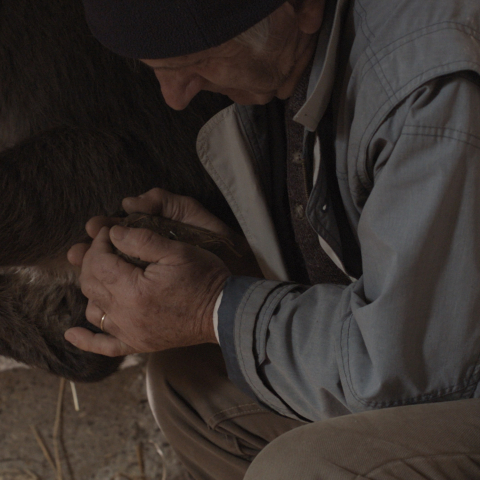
(101,440)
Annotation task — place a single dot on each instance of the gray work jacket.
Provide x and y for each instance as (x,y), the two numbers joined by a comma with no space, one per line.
(404,81)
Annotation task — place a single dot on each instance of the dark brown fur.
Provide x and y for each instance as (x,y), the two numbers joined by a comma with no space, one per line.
(80,129)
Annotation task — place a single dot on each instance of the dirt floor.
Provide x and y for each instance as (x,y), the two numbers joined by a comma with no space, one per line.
(109,438)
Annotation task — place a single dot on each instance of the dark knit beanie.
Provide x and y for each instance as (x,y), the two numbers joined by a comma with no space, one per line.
(170,28)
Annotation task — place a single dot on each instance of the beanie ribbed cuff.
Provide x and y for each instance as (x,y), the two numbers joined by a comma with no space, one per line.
(171,28)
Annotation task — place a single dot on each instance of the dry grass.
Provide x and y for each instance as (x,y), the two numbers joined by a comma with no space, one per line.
(60,455)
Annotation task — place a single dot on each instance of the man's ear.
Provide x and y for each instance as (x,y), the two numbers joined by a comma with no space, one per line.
(309,14)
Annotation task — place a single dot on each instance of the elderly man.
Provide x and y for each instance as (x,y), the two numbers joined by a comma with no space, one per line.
(351,158)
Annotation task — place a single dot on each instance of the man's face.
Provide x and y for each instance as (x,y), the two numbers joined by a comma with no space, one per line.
(235,70)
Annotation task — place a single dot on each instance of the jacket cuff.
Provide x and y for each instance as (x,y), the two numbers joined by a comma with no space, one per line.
(245,311)
(234,291)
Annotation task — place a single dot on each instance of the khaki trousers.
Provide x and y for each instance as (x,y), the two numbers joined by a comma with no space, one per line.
(221,434)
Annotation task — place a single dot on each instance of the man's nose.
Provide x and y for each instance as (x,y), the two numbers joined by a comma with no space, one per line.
(178,88)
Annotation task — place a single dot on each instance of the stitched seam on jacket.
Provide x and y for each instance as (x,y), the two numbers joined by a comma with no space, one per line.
(257,392)
(425,397)
(363,15)
(270,306)
(388,101)
(369,64)
(391,92)
(413,37)
(441,132)
(469,381)
(439,136)
(267,309)
(379,56)
(240,359)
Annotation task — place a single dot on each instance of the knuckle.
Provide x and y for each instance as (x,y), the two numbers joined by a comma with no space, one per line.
(143,236)
(92,263)
(115,266)
(121,348)
(110,351)
(189,207)
(106,272)
(152,200)
(87,288)
(90,314)
(156,193)
(107,345)
(192,202)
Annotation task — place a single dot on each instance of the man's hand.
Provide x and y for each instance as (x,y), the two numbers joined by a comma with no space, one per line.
(170,303)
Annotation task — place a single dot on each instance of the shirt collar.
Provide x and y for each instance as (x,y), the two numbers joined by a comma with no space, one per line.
(323,69)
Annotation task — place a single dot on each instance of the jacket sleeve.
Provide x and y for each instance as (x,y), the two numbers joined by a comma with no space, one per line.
(408,330)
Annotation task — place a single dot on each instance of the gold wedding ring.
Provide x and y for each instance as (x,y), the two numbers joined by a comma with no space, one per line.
(102,321)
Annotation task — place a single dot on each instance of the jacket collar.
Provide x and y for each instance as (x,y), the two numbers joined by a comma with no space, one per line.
(323,69)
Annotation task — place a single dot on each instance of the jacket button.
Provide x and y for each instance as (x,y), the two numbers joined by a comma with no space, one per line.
(299,211)
(297,158)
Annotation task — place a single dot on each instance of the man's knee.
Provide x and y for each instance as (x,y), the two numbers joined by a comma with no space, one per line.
(435,441)
(295,454)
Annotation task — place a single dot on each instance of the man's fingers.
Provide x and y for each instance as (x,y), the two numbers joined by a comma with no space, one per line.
(101,242)
(102,270)
(76,253)
(144,244)
(152,202)
(100,343)
(95,224)
(176,207)
(93,313)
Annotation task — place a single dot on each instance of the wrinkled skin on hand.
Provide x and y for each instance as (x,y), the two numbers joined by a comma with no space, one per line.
(232,249)
(168,304)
